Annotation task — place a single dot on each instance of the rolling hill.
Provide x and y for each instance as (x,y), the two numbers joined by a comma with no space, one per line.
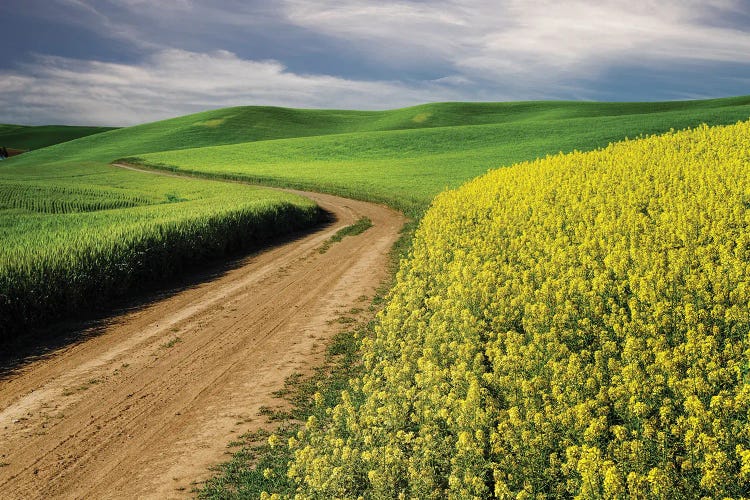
(405,157)
(68,192)
(35,137)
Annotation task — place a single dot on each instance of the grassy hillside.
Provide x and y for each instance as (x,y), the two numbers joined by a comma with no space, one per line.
(254,123)
(406,157)
(28,137)
(401,157)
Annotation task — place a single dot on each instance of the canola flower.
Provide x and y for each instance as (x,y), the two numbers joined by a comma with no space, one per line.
(572,327)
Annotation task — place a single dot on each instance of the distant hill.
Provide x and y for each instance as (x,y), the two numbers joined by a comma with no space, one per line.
(402,157)
(23,137)
(263,123)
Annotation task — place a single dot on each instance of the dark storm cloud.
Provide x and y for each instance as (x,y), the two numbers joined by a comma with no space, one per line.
(128,61)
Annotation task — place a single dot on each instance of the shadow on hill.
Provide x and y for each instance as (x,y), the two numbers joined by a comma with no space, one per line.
(42,343)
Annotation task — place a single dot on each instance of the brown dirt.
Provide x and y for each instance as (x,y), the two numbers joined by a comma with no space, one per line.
(145,408)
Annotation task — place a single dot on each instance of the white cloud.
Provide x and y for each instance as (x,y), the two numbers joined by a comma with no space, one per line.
(394,30)
(429,50)
(540,40)
(175,82)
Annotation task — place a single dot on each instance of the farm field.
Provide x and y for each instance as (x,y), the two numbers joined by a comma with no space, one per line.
(35,137)
(146,405)
(74,236)
(438,146)
(451,326)
(576,326)
(258,123)
(375,250)
(402,158)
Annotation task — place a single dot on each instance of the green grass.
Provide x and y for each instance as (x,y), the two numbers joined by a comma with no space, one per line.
(31,137)
(55,263)
(76,232)
(392,159)
(171,343)
(359,227)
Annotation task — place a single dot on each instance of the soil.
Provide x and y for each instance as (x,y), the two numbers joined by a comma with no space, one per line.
(145,408)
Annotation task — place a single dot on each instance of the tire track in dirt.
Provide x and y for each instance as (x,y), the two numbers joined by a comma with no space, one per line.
(146,407)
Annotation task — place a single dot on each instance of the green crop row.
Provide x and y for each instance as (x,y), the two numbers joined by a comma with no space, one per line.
(58,200)
(75,235)
(60,273)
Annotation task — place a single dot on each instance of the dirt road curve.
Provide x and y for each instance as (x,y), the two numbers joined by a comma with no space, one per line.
(145,408)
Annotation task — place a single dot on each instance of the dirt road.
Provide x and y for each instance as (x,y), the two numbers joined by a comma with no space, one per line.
(147,406)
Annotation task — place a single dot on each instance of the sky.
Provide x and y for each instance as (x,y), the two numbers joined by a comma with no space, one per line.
(123,62)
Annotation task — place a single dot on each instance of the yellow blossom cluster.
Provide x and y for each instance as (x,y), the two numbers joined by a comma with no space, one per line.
(577,326)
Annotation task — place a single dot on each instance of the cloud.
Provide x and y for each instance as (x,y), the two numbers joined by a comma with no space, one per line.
(180,56)
(145,24)
(176,82)
(541,40)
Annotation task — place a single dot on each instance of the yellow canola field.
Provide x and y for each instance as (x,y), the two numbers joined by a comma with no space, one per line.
(577,326)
